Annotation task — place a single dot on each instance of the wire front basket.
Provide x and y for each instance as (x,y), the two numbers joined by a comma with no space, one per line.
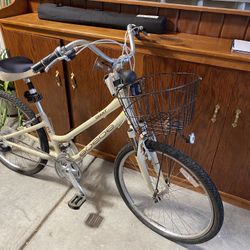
(160,103)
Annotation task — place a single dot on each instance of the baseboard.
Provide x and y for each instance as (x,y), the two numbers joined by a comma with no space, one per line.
(235,200)
(229,198)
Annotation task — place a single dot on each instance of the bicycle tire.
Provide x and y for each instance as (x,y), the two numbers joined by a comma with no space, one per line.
(41,135)
(175,155)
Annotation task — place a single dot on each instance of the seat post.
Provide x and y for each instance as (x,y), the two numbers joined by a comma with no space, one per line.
(31,95)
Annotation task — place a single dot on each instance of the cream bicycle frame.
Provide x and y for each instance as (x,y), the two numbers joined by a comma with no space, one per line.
(55,139)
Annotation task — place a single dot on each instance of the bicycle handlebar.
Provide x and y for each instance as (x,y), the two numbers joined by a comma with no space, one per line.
(68,52)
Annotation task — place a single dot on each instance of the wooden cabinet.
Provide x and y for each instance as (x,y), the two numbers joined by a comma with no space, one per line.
(88,95)
(221,149)
(36,47)
(222,144)
(231,167)
(212,91)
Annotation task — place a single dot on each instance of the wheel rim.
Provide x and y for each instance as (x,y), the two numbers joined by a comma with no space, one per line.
(183,212)
(11,122)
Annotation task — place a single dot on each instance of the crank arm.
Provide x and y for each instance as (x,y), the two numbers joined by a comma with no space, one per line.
(75,183)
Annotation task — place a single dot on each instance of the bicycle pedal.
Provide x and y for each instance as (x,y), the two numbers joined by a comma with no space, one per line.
(77,201)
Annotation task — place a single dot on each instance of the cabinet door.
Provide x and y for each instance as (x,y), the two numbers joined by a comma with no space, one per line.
(36,47)
(89,95)
(215,88)
(231,168)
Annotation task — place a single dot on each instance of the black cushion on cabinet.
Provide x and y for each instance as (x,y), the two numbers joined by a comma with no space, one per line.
(18,64)
(99,18)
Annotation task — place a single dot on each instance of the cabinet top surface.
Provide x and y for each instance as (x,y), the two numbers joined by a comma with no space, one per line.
(200,48)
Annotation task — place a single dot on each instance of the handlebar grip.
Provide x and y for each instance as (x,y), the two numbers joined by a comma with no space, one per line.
(40,66)
(50,58)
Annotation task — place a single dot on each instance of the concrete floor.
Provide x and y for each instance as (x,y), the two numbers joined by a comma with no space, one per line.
(34,215)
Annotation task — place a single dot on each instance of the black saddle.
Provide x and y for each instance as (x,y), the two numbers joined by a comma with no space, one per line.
(18,64)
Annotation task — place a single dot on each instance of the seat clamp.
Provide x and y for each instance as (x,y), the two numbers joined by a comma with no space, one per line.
(32,98)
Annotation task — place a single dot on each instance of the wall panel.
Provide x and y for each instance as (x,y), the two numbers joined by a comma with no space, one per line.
(188,22)
(234,27)
(94,5)
(172,18)
(78,3)
(211,24)
(131,9)
(112,7)
(148,10)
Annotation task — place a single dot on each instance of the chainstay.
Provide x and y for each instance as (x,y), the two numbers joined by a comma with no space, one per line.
(43,164)
(37,149)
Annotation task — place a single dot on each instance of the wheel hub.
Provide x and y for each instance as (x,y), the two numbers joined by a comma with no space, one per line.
(4,148)
(159,195)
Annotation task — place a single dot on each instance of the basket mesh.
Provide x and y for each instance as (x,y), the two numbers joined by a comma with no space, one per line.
(165,101)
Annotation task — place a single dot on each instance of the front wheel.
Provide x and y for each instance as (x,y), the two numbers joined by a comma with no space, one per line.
(188,207)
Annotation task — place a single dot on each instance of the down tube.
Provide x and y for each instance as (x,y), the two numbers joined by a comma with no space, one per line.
(117,123)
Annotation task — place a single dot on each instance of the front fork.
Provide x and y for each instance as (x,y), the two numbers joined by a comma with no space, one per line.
(143,155)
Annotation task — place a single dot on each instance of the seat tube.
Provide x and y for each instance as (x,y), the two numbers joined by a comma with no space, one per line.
(43,115)
(47,122)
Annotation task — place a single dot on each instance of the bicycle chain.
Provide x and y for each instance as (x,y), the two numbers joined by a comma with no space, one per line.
(37,149)
(43,164)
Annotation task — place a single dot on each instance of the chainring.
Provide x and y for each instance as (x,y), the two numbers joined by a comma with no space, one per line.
(64,164)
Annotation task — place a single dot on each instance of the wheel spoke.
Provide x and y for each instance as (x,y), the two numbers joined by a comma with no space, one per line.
(15,158)
(182,210)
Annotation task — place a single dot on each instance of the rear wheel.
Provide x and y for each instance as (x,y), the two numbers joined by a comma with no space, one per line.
(187,208)
(14,115)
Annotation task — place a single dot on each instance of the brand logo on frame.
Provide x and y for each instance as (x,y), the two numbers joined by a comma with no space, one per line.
(97,140)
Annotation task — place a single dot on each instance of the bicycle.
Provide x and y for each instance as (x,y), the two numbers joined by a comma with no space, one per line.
(165,189)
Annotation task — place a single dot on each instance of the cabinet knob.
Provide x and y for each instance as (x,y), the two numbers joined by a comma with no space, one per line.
(216,111)
(73,81)
(58,79)
(236,119)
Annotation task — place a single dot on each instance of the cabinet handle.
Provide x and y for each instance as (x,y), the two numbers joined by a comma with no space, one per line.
(216,111)
(73,81)
(58,79)
(236,119)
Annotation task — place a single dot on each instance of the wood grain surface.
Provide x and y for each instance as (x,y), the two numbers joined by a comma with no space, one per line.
(36,47)
(221,149)
(181,46)
(172,18)
(188,22)
(234,27)
(213,22)
(91,96)
(231,168)
(16,8)
(212,91)
(78,3)
(179,6)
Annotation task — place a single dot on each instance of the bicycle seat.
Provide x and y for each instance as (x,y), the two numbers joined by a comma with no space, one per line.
(18,64)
